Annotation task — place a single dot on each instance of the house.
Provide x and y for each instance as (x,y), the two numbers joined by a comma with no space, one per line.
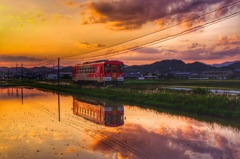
(150,76)
(132,75)
(183,74)
(52,76)
(237,73)
(218,74)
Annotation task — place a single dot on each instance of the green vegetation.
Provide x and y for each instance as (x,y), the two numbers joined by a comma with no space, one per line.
(214,84)
(198,100)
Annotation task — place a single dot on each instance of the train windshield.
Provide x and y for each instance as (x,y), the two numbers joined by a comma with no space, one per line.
(114,68)
(107,68)
(120,68)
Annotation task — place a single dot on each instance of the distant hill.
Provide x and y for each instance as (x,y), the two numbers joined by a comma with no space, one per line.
(233,66)
(224,64)
(163,66)
(170,65)
(66,69)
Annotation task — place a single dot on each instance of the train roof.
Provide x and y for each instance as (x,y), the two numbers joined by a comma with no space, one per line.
(96,62)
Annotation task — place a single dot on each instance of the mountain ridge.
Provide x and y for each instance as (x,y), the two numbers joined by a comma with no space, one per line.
(163,66)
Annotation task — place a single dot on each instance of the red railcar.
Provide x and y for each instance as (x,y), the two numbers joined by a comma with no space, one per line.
(102,71)
(100,113)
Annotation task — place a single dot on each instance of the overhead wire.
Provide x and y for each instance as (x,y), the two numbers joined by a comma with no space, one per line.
(165,38)
(174,25)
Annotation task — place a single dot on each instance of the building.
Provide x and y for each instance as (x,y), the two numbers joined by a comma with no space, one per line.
(184,75)
(52,76)
(237,73)
(218,74)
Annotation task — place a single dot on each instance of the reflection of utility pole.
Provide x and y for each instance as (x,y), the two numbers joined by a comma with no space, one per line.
(22,95)
(17,92)
(58,107)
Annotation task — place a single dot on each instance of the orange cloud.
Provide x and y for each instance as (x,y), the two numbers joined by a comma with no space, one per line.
(88,45)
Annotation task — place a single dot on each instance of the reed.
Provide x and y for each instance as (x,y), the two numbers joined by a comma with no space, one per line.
(199,101)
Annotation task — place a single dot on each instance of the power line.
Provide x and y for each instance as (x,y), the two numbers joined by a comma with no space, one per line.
(166,38)
(191,19)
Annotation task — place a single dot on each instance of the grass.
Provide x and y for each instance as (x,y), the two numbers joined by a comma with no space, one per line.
(213,84)
(199,101)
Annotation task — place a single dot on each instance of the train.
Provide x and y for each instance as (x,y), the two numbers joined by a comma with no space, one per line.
(99,72)
(111,115)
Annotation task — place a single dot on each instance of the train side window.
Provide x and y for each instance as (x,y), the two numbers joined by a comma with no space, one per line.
(120,68)
(94,70)
(107,68)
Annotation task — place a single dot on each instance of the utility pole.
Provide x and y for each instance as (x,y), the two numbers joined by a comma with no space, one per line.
(21,72)
(8,74)
(58,90)
(16,69)
(58,75)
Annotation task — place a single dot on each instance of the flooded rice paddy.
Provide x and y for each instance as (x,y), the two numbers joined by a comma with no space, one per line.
(38,124)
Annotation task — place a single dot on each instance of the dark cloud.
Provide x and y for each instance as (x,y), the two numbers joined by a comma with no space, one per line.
(9,58)
(132,14)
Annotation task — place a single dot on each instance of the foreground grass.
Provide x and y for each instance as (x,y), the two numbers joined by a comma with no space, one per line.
(208,104)
(213,84)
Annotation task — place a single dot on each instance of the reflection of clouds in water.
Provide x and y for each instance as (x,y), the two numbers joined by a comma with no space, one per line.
(170,144)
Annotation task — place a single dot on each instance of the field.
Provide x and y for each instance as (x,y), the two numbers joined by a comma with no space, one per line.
(151,94)
(210,84)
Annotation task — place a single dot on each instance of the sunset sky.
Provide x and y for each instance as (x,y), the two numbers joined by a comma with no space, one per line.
(33,32)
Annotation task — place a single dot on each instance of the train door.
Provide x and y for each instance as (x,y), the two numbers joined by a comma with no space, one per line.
(75,69)
(114,72)
(101,74)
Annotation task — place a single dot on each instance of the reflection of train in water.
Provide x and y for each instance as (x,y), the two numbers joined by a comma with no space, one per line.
(98,112)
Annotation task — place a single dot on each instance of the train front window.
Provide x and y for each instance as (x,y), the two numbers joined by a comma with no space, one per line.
(107,68)
(120,68)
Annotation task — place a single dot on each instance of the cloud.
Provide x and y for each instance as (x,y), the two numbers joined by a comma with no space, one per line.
(148,50)
(228,40)
(72,3)
(168,144)
(9,58)
(225,47)
(196,45)
(89,45)
(133,14)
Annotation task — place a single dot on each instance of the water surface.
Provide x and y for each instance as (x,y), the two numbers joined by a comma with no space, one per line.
(34,125)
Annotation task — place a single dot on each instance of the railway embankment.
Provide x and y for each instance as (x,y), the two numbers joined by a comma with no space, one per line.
(198,101)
